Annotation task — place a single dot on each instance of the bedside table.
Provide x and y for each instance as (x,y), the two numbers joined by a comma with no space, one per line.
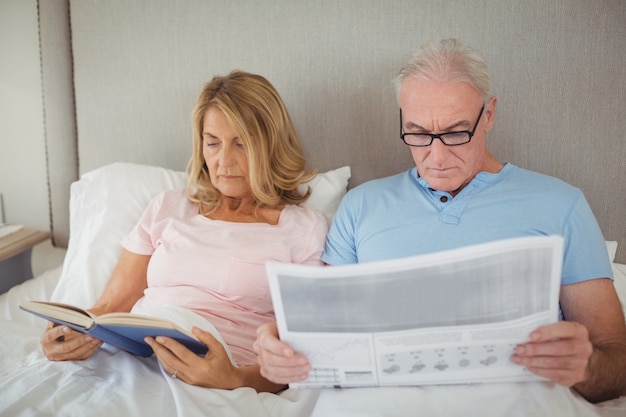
(15,251)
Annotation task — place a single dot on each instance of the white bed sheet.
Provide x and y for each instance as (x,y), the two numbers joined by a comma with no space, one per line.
(123,385)
(117,384)
(109,383)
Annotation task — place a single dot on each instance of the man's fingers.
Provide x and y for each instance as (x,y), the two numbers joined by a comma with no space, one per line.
(560,330)
(559,352)
(267,340)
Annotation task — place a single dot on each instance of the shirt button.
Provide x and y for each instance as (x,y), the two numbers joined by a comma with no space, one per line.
(443,198)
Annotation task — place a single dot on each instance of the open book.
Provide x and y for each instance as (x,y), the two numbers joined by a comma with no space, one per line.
(449,317)
(123,330)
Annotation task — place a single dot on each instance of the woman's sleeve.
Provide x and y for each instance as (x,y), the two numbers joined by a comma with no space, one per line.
(315,246)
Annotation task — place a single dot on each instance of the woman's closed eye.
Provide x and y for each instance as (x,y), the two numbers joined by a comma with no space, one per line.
(211,141)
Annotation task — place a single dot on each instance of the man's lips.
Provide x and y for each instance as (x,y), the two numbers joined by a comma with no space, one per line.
(440,170)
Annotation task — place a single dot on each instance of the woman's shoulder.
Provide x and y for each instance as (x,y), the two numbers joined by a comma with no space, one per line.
(175,196)
(174,200)
(303,214)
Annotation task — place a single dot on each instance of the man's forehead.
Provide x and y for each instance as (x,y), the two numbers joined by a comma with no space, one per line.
(415,88)
(449,100)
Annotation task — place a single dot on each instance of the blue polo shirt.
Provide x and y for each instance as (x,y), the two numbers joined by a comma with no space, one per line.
(401,216)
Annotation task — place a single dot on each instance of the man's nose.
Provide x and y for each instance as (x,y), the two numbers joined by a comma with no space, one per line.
(438,149)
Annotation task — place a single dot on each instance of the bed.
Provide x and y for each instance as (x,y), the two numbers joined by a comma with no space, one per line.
(120,79)
(104,204)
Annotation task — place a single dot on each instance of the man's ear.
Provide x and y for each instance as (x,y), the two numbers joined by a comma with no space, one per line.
(490,113)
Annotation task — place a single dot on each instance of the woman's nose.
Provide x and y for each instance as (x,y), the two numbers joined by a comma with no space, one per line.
(226,155)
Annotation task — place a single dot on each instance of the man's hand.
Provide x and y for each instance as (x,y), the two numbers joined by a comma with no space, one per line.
(559,352)
(279,363)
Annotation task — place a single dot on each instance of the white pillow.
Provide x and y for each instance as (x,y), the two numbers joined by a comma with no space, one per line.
(611,247)
(619,273)
(327,190)
(106,203)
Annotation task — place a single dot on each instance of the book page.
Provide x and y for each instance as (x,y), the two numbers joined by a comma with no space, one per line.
(447,317)
(59,311)
(132,319)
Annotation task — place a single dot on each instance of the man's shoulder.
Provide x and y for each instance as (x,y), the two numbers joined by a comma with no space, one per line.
(540,180)
(384,183)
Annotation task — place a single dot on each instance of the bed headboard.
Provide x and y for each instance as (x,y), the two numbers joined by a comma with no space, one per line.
(121,77)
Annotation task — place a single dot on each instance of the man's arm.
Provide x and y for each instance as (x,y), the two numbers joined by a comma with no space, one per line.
(586,352)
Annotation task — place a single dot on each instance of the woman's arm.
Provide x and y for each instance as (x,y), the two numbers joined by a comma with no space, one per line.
(125,287)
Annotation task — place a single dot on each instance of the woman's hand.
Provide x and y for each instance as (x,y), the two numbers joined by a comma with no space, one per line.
(214,370)
(60,343)
(125,287)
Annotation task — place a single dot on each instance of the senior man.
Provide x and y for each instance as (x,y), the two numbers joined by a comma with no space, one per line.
(459,194)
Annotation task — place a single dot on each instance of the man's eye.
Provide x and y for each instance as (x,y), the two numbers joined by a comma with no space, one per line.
(455,135)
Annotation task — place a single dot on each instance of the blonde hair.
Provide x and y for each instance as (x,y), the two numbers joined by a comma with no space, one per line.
(257,113)
(449,60)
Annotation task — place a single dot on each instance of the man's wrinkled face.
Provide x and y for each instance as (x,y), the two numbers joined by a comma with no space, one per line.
(442,107)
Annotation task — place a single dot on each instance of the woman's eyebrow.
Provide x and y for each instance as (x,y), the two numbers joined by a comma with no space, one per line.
(209,135)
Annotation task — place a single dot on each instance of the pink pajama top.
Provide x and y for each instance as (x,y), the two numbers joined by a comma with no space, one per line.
(217,268)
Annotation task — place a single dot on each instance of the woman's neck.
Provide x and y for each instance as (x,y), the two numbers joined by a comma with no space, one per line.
(241,210)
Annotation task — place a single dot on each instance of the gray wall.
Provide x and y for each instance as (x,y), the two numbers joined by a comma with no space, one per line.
(23,181)
(558,69)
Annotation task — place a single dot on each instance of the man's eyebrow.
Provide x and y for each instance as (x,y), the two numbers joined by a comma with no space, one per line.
(460,124)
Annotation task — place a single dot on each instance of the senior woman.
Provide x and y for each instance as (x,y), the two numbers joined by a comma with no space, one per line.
(204,248)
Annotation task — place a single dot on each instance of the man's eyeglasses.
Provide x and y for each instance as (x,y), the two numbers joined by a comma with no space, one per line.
(449,139)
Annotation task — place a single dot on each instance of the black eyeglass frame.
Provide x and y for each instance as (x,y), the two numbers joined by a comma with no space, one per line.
(433,136)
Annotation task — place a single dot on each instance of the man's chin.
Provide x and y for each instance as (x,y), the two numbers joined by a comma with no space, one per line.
(449,187)
(440,184)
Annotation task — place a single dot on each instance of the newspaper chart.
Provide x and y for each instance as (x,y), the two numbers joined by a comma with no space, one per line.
(442,318)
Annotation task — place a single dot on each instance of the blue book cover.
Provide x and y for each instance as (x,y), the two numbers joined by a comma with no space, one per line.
(125,331)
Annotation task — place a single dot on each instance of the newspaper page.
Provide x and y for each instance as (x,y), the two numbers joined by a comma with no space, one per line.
(443,318)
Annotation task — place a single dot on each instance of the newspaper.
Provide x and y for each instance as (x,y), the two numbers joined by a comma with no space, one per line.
(443,318)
